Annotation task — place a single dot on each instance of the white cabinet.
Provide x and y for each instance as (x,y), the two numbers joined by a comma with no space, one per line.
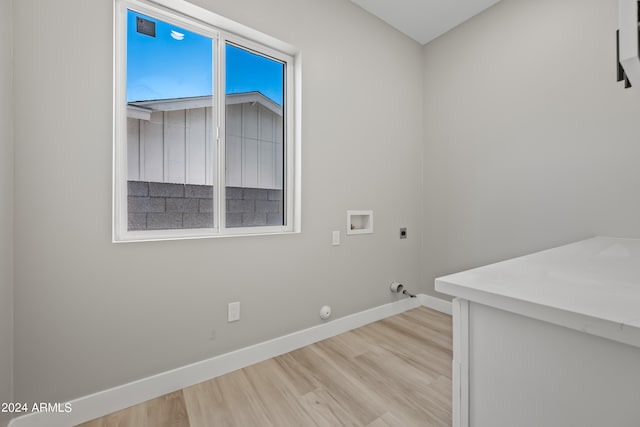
(549,339)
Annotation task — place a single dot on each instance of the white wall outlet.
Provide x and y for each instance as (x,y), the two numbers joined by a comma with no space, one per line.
(233,313)
(335,238)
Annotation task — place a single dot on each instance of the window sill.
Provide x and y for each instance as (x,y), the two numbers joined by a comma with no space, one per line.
(168,235)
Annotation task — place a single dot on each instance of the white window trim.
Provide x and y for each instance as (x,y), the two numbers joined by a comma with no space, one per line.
(221,30)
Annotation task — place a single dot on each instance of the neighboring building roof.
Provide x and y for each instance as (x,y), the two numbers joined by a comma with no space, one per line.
(143,109)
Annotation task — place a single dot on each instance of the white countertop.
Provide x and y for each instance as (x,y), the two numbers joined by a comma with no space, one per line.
(592,285)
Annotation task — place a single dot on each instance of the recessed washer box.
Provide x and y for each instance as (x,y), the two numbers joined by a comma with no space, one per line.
(359,222)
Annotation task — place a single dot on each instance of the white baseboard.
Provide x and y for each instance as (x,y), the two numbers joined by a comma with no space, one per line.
(434,303)
(106,402)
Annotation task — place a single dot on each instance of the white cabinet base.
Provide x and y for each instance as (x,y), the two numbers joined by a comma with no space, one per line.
(511,370)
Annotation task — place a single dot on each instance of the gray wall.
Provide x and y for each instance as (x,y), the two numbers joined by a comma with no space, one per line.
(6,207)
(91,314)
(529,141)
(162,206)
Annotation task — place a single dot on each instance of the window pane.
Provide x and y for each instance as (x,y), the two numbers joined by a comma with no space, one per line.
(170,151)
(254,139)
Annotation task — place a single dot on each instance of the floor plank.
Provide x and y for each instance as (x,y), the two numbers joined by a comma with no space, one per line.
(165,411)
(395,372)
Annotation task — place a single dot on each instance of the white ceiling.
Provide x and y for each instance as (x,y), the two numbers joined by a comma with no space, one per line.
(424,20)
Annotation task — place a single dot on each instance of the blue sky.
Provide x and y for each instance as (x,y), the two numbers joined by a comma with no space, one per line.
(247,72)
(172,66)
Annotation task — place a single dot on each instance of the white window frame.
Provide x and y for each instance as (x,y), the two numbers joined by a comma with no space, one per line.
(221,30)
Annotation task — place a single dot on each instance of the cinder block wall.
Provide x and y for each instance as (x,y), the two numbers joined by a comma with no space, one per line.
(161,206)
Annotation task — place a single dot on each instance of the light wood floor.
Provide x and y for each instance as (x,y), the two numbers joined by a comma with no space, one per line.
(395,372)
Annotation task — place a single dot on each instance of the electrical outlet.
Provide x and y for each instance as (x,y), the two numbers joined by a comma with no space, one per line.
(233,313)
(403,233)
(335,238)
